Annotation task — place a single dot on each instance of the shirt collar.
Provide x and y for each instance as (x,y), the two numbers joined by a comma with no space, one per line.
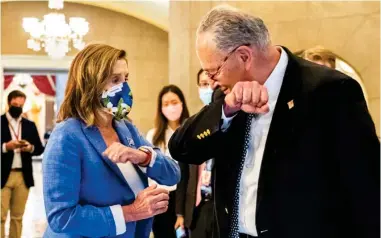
(11,119)
(275,80)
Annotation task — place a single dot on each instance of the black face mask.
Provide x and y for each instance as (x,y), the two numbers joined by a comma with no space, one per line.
(15,111)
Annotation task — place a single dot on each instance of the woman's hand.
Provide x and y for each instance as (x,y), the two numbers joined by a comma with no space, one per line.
(120,153)
(149,202)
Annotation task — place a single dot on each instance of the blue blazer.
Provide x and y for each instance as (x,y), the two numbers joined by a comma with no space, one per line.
(80,184)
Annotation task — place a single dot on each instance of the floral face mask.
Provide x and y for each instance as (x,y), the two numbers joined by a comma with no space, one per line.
(118,100)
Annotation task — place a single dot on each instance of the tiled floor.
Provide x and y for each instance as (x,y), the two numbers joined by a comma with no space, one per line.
(34,221)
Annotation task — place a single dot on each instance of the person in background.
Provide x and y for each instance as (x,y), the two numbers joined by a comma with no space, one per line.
(320,55)
(205,87)
(208,90)
(194,203)
(47,134)
(171,112)
(96,164)
(19,142)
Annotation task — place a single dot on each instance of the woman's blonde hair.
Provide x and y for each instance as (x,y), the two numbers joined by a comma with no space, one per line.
(87,78)
(320,53)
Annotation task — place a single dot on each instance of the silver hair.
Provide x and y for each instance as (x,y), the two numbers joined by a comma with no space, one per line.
(231,28)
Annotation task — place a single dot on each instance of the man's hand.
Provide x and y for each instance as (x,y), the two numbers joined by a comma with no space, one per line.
(149,202)
(26,146)
(13,144)
(250,97)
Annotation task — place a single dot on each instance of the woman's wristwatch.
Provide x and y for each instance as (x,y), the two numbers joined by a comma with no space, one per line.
(148,153)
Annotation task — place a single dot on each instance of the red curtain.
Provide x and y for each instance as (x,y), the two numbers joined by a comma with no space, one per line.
(43,84)
(41,81)
(7,80)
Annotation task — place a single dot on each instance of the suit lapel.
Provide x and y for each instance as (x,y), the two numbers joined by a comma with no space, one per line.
(94,136)
(282,125)
(5,127)
(24,130)
(124,134)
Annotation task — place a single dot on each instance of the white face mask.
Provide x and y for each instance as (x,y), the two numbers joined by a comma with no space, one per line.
(205,95)
(173,112)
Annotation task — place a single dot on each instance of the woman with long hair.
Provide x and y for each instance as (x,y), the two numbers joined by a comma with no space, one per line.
(171,113)
(96,164)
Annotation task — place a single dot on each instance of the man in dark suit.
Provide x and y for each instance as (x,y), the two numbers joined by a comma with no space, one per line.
(296,152)
(19,142)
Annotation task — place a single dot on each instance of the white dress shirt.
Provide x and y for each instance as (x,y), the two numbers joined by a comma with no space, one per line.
(259,130)
(164,148)
(16,125)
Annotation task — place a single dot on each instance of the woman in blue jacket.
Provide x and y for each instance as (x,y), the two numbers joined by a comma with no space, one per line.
(96,164)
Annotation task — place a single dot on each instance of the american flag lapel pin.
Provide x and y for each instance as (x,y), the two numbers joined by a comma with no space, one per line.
(290,104)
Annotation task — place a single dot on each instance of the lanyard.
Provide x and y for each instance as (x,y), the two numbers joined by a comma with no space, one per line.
(17,135)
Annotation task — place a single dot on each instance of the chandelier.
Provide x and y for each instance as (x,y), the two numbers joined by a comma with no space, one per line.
(54,34)
(56,4)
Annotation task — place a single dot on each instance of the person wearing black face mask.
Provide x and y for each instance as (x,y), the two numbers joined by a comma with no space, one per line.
(19,142)
(15,111)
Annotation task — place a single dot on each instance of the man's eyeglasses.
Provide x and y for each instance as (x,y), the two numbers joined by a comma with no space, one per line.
(211,76)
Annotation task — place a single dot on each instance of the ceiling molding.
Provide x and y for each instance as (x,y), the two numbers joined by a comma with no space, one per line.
(153,12)
(34,62)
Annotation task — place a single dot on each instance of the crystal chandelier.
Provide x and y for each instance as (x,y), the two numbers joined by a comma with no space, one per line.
(54,34)
(56,4)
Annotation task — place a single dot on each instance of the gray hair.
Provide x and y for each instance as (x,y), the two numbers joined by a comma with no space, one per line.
(231,28)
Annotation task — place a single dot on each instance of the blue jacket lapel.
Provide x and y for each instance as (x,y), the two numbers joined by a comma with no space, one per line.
(94,136)
(124,134)
(126,139)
